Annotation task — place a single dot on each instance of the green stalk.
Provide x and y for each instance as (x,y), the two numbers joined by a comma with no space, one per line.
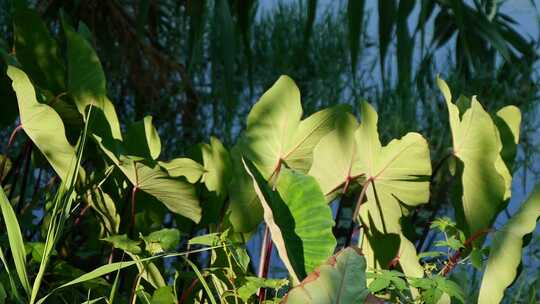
(63,201)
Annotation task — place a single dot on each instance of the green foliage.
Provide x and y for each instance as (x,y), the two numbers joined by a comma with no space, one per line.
(112,200)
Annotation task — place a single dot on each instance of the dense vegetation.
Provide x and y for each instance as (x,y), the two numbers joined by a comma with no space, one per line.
(98,209)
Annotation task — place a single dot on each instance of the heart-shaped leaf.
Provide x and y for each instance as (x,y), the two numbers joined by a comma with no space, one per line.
(275,136)
(396,174)
(476,143)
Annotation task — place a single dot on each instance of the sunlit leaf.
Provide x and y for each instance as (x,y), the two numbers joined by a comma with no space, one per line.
(42,124)
(397,175)
(476,143)
(506,250)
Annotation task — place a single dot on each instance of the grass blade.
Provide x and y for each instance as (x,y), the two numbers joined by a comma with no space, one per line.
(16,242)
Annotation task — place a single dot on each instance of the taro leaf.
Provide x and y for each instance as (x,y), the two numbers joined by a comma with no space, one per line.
(276,135)
(217,167)
(342,279)
(124,243)
(162,240)
(397,173)
(86,79)
(245,209)
(299,219)
(335,158)
(177,195)
(506,250)
(477,145)
(42,124)
(185,167)
(142,139)
(37,51)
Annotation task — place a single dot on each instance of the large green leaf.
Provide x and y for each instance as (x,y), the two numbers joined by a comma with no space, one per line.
(86,79)
(16,242)
(335,158)
(42,124)
(37,51)
(342,279)
(275,134)
(476,143)
(299,219)
(177,195)
(506,250)
(397,174)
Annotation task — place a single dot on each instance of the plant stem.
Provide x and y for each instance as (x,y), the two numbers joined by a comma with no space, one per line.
(132,218)
(264,263)
(10,141)
(22,192)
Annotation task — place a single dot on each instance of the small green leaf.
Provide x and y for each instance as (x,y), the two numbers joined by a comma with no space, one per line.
(123,242)
(250,286)
(185,167)
(166,239)
(163,295)
(379,284)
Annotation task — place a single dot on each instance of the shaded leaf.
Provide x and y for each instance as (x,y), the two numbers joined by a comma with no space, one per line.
(142,139)
(299,220)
